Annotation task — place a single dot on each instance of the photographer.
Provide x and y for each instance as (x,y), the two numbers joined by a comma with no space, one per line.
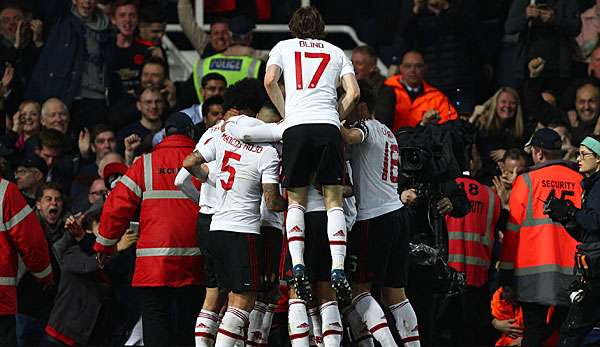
(583,225)
(431,193)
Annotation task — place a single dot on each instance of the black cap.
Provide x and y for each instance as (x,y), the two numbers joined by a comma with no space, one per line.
(33,161)
(180,121)
(545,138)
(241,25)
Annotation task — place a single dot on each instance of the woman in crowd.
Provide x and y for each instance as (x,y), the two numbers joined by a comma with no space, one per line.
(583,224)
(25,124)
(501,126)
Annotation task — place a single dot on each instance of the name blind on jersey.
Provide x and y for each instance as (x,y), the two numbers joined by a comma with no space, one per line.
(311,44)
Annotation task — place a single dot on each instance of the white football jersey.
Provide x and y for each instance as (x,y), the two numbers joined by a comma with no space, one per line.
(208,193)
(375,171)
(242,168)
(311,70)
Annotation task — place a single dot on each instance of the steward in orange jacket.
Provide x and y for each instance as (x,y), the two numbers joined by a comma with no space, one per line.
(471,238)
(20,234)
(409,113)
(168,261)
(537,256)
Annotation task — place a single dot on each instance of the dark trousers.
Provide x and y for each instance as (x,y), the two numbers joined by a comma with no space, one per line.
(582,317)
(169,314)
(423,300)
(537,329)
(8,331)
(468,317)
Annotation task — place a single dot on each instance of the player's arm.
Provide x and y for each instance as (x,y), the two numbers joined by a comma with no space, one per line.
(350,98)
(266,132)
(183,182)
(357,134)
(273,199)
(272,76)
(193,164)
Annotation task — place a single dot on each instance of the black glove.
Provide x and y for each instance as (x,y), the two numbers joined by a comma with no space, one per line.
(561,210)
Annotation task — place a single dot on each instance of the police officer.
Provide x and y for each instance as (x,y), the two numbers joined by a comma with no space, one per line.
(584,225)
(238,61)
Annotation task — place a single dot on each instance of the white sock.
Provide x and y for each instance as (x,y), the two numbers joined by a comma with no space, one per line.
(255,333)
(207,324)
(232,328)
(336,232)
(266,323)
(294,227)
(373,316)
(298,323)
(362,336)
(332,324)
(315,337)
(406,323)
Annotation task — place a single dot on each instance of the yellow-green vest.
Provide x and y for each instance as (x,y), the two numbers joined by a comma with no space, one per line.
(232,67)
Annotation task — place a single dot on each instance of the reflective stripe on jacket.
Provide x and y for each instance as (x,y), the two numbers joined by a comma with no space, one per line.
(20,234)
(410,114)
(167,251)
(470,239)
(538,251)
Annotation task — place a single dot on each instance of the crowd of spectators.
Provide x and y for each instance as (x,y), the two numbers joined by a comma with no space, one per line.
(85,89)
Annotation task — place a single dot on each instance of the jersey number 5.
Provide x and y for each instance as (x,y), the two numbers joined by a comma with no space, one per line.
(325,58)
(225,167)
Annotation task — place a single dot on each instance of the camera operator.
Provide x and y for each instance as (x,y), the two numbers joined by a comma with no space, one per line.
(429,203)
(584,226)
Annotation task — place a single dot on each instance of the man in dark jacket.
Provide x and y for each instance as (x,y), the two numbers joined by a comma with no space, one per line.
(545,30)
(76,62)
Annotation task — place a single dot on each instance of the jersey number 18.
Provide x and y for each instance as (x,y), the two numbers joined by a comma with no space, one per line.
(390,163)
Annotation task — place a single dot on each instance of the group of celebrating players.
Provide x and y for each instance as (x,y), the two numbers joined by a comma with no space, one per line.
(332,270)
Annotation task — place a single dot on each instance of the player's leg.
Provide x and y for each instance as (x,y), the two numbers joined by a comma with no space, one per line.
(298,321)
(208,319)
(370,249)
(396,279)
(240,269)
(295,230)
(260,317)
(331,321)
(235,321)
(336,232)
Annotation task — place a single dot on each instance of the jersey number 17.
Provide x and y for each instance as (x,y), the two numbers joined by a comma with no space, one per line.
(325,58)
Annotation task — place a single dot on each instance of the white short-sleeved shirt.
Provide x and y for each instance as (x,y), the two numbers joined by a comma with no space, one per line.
(208,193)
(312,70)
(375,171)
(242,169)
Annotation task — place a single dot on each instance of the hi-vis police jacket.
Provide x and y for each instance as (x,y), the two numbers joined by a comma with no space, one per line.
(20,234)
(538,252)
(167,251)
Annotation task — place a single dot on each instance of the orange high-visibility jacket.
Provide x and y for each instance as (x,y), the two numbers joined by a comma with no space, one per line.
(167,252)
(471,238)
(20,234)
(410,114)
(539,252)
